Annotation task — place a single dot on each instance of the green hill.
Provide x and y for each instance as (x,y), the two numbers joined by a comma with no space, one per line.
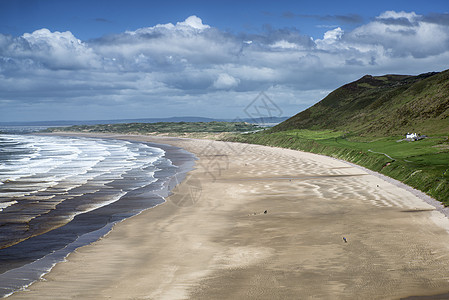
(365,122)
(379,105)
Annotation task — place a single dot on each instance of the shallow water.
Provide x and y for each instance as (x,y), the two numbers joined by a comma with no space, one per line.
(60,193)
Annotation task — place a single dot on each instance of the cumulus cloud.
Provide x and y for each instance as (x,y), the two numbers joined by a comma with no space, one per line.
(403,34)
(190,67)
(193,22)
(52,50)
(330,37)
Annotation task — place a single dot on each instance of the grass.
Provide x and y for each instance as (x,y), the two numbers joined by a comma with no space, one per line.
(423,164)
(383,105)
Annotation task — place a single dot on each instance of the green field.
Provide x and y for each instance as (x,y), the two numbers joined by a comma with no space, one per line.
(422,164)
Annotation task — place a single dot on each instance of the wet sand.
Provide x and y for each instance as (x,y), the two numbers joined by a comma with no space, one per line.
(213,239)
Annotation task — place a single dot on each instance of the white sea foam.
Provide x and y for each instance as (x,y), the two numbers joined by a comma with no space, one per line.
(4,205)
(60,165)
(67,177)
(95,206)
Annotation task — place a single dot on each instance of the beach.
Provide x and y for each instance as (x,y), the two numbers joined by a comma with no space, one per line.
(255,222)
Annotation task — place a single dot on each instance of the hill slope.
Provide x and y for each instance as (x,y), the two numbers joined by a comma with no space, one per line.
(390,104)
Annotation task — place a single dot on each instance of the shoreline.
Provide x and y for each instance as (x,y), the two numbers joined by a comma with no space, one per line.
(30,265)
(223,245)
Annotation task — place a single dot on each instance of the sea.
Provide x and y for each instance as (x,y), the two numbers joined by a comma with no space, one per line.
(61,193)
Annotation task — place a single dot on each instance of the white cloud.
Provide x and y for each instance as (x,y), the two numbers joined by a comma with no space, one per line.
(390,14)
(331,38)
(193,22)
(283,44)
(402,34)
(334,34)
(168,65)
(55,50)
(225,81)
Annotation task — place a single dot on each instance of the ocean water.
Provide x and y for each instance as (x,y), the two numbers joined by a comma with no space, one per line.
(60,193)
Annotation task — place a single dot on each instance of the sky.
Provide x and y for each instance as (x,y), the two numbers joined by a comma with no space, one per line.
(110,59)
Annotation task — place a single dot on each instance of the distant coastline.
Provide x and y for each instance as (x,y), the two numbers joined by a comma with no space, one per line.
(261,120)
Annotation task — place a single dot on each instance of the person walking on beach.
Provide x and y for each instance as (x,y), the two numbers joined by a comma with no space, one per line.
(344,239)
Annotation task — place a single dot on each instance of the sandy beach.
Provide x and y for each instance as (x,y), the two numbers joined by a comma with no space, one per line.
(254,222)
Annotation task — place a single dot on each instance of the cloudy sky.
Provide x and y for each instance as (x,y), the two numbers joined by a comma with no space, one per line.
(109,59)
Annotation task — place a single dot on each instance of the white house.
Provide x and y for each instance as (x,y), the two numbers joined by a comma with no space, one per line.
(411,136)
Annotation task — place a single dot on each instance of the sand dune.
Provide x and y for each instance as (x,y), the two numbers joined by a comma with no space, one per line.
(212,239)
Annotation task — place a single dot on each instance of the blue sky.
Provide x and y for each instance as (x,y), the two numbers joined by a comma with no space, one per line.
(79,60)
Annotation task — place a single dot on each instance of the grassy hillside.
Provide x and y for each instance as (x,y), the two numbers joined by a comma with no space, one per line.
(390,104)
